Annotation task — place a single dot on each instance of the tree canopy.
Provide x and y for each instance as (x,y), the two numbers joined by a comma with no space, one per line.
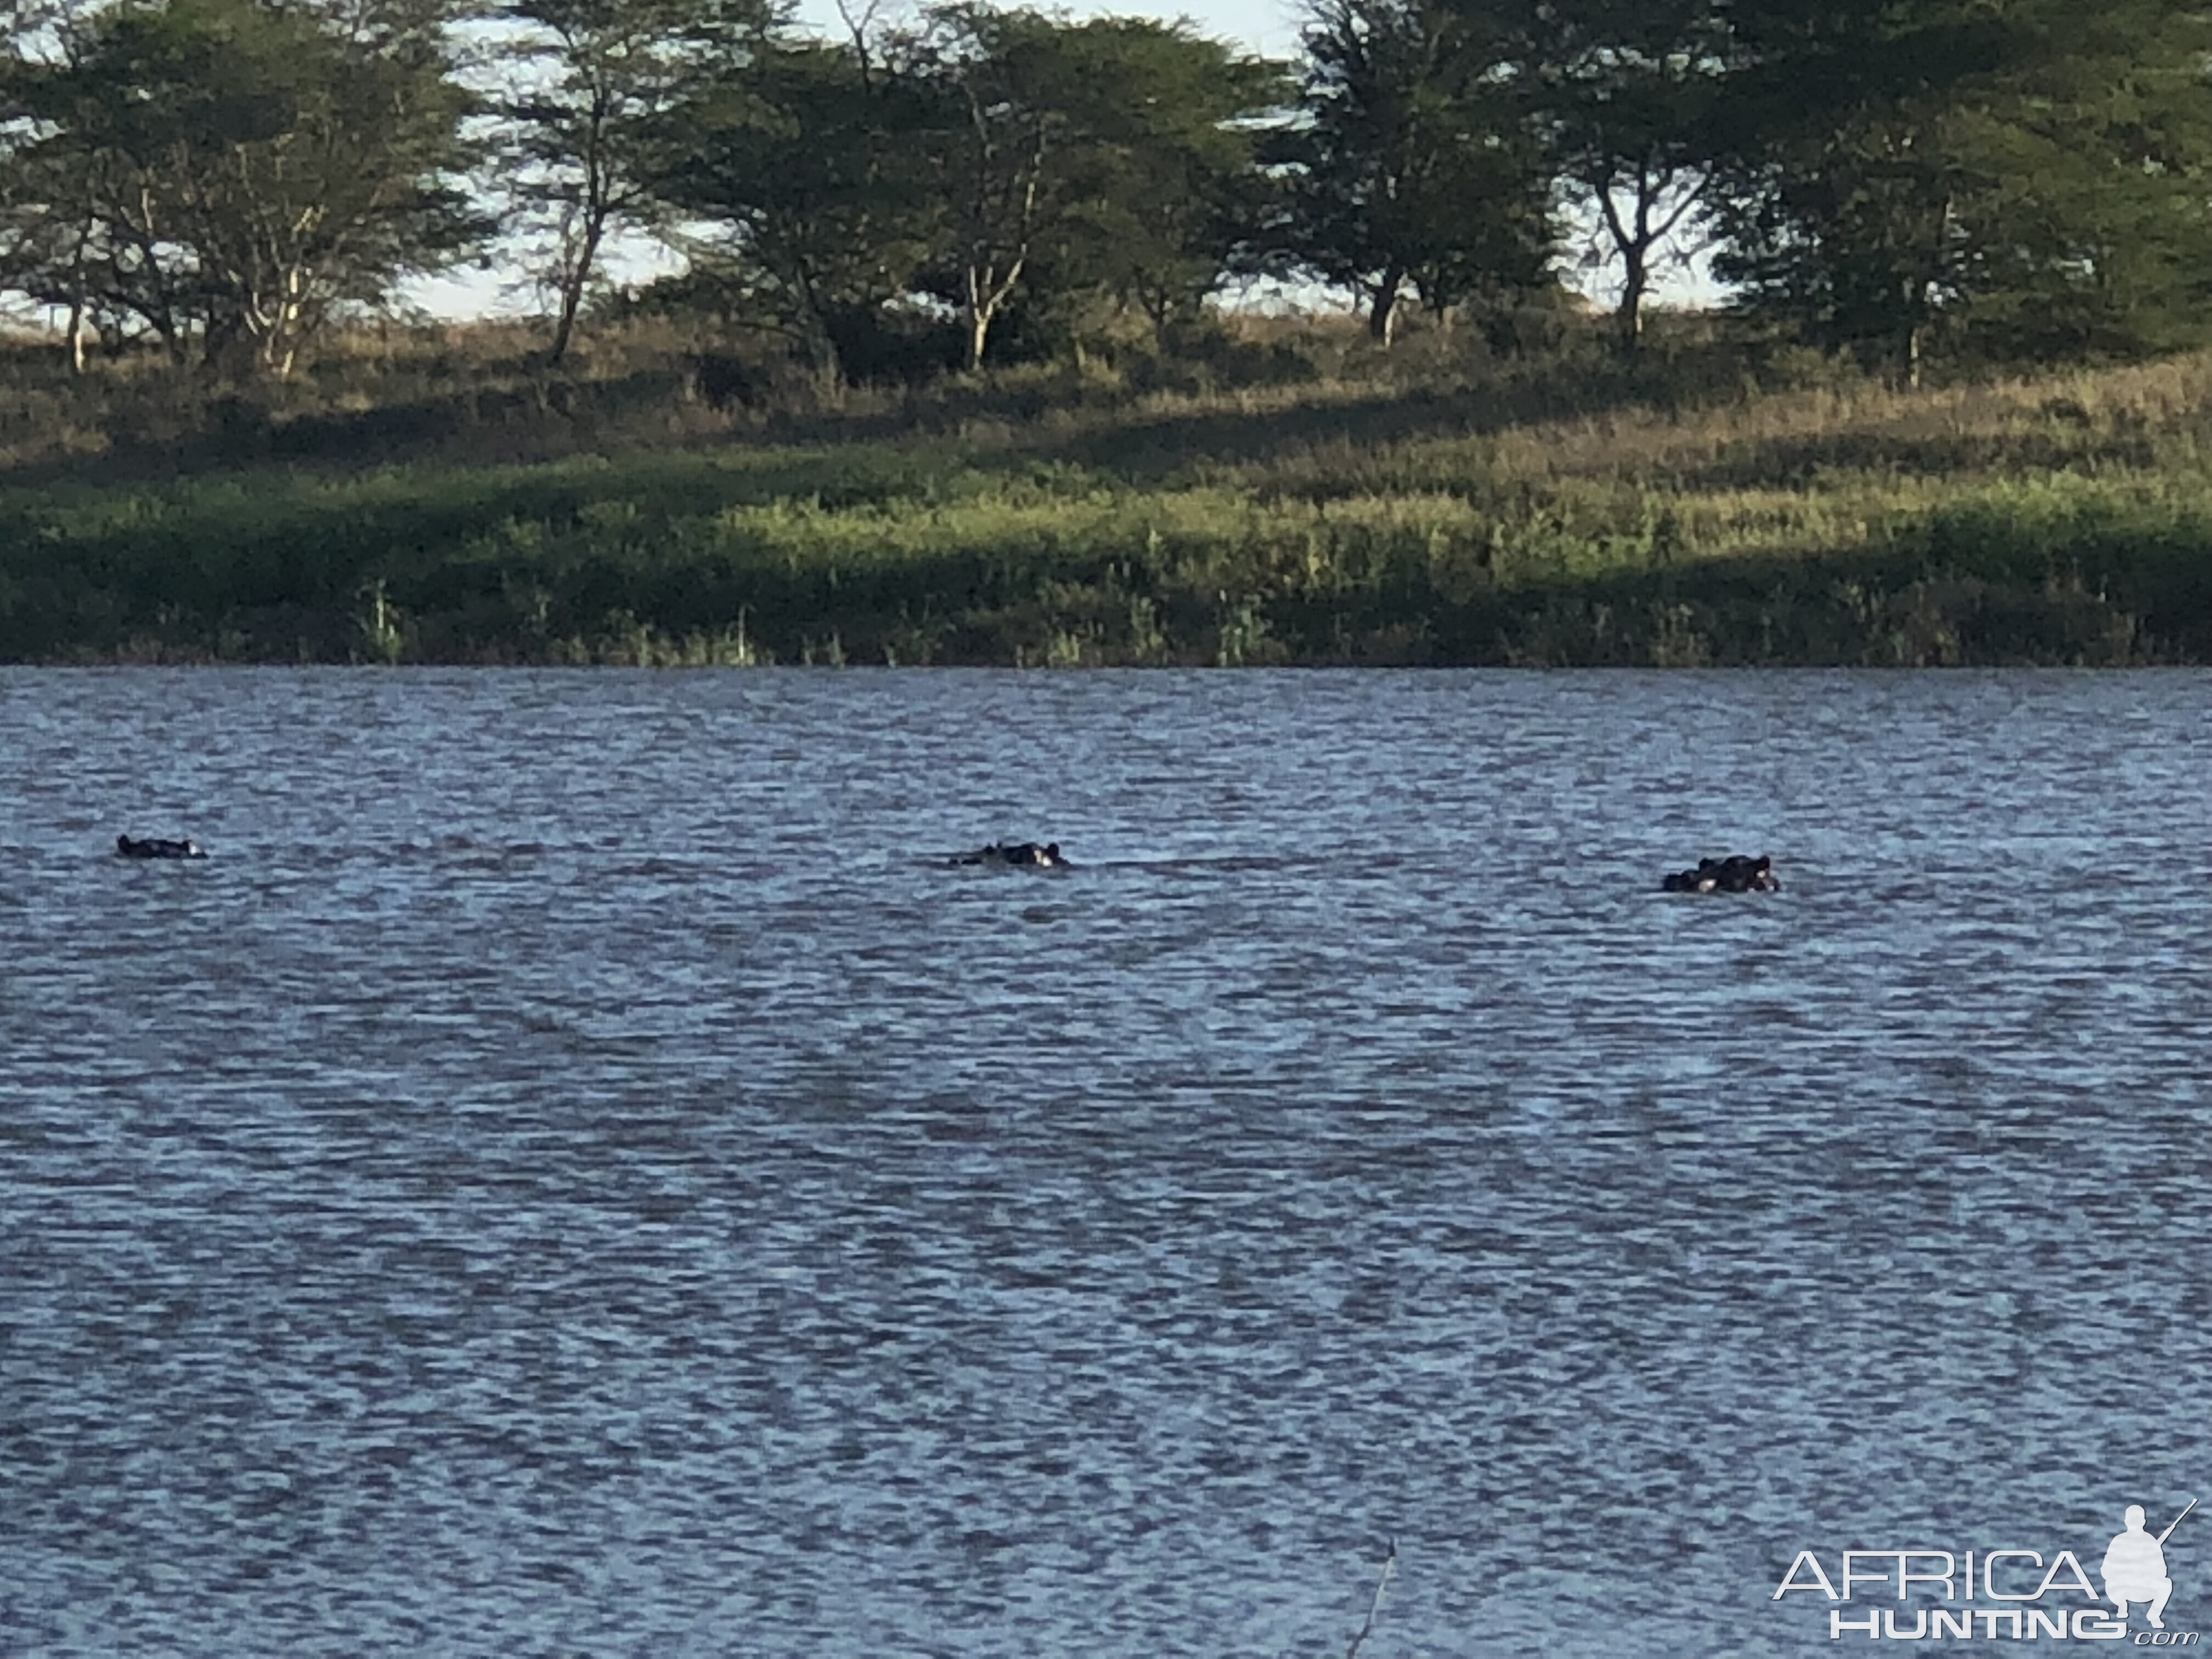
(1988,179)
(1411,161)
(220,174)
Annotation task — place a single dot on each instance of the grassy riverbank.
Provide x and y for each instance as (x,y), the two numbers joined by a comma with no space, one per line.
(1420,511)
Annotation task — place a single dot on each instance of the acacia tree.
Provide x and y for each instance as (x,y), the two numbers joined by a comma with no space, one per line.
(2090,231)
(1099,152)
(1413,161)
(46,219)
(986,158)
(1001,95)
(2019,171)
(1152,187)
(1625,92)
(224,172)
(1840,191)
(802,171)
(596,82)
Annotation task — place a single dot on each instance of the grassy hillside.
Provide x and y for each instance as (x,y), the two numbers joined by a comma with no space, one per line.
(438,501)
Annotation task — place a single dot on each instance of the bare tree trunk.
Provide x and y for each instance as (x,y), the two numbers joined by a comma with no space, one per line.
(1628,316)
(984,299)
(986,289)
(1636,237)
(1922,296)
(594,211)
(77,332)
(80,301)
(1633,244)
(574,281)
(1382,310)
(816,329)
(985,296)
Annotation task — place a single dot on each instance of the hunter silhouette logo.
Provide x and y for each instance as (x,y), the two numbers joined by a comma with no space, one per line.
(2135,1566)
(2018,1595)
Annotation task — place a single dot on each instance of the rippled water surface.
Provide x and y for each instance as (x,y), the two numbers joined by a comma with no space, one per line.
(574,1172)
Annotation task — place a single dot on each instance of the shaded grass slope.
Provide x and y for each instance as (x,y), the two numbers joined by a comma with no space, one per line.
(1458,517)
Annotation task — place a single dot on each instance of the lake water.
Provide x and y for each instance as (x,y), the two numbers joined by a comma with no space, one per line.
(575,1172)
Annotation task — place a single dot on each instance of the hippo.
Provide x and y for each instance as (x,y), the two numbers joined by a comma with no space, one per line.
(1025,854)
(1733,874)
(153,847)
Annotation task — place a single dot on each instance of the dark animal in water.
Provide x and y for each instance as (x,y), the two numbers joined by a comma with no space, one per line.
(1024,854)
(153,847)
(1733,874)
